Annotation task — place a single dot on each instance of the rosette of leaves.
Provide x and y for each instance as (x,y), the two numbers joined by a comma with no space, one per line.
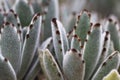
(20,34)
(18,43)
(88,52)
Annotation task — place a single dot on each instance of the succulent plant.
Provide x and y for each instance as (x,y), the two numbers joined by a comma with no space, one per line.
(20,35)
(17,52)
(19,39)
(88,52)
(78,51)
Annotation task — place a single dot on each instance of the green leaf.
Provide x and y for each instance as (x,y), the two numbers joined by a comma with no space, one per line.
(30,44)
(83,26)
(46,43)
(37,7)
(112,27)
(92,49)
(12,17)
(34,70)
(112,62)
(53,12)
(75,42)
(105,48)
(60,41)
(11,45)
(51,67)
(6,70)
(70,23)
(73,65)
(24,11)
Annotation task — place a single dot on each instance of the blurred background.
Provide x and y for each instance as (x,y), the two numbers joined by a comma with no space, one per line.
(103,7)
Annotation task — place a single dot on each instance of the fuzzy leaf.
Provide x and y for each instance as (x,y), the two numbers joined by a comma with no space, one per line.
(105,48)
(30,44)
(53,12)
(83,26)
(60,41)
(111,48)
(40,52)
(46,43)
(24,11)
(34,70)
(36,6)
(12,17)
(73,65)
(112,27)
(6,70)
(112,62)
(71,23)
(11,45)
(75,42)
(92,50)
(51,67)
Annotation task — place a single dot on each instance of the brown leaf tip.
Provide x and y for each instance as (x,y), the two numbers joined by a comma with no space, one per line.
(89,32)
(91,24)
(110,20)
(75,27)
(107,32)
(7,23)
(54,20)
(110,57)
(89,15)
(83,61)
(18,24)
(97,25)
(35,18)
(11,10)
(38,14)
(19,31)
(79,39)
(57,32)
(59,41)
(13,25)
(86,40)
(106,38)
(15,15)
(31,26)
(79,54)
(59,74)
(27,36)
(85,10)
(104,64)
(104,49)
(5,59)
(73,50)
(75,36)
(81,47)
(78,17)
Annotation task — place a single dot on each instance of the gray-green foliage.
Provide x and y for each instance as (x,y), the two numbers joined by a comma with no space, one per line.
(23,24)
(91,52)
(82,51)
(20,30)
